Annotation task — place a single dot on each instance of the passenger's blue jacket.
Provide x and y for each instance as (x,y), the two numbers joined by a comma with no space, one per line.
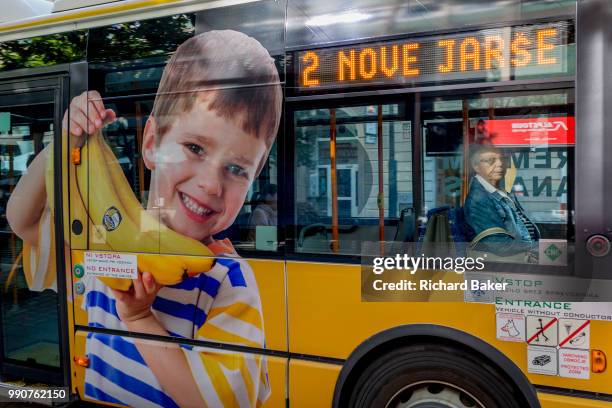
(484,210)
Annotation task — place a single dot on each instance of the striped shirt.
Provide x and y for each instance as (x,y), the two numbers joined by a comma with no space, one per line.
(531,228)
(221,305)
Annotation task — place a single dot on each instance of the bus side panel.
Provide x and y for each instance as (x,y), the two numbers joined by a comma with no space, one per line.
(561,401)
(276,367)
(305,377)
(270,277)
(328,318)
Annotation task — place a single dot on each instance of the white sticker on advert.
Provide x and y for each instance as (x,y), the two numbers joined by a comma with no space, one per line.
(574,363)
(510,327)
(111,265)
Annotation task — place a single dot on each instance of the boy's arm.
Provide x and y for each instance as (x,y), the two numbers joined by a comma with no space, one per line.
(28,200)
(168,363)
(205,381)
(166,360)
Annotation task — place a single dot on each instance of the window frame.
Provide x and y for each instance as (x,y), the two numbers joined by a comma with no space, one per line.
(415,96)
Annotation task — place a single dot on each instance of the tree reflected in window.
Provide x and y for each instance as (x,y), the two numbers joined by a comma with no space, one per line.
(140,39)
(43,51)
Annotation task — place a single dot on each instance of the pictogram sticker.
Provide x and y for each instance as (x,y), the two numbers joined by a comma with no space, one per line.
(510,327)
(542,331)
(542,360)
(575,333)
(574,363)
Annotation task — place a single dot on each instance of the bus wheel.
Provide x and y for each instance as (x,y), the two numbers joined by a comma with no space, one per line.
(432,376)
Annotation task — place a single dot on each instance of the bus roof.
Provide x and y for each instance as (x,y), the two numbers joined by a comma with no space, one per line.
(103,14)
(21,9)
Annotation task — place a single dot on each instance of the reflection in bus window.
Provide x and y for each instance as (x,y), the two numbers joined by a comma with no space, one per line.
(58,49)
(28,273)
(340,202)
(140,39)
(533,136)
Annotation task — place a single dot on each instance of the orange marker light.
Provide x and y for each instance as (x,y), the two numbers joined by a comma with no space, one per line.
(76,156)
(81,361)
(598,361)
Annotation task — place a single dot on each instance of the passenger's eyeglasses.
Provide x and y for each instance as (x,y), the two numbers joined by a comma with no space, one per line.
(492,160)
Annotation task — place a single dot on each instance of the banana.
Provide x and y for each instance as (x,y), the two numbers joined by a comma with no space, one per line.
(103,201)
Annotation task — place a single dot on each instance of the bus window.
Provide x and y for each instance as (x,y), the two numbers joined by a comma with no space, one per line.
(340,200)
(443,168)
(29,335)
(26,53)
(256,225)
(140,39)
(514,147)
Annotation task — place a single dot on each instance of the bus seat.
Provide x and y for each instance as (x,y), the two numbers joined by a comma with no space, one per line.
(405,226)
(314,238)
(447,224)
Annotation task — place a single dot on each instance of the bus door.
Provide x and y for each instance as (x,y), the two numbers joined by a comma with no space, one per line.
(30,339)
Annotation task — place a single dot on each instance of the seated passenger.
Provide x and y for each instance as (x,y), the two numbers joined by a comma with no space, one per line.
(501,225)
(265,211)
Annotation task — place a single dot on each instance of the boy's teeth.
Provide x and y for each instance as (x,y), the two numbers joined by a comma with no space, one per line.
(193,206)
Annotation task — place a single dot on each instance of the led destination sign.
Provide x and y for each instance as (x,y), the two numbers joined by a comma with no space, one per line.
(491,55)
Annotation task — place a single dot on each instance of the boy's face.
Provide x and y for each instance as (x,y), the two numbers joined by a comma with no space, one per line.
(201,171)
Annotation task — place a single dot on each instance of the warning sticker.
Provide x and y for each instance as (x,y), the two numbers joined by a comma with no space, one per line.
(111,265)
(542,330)
(542,360)
(574,363)
(510,327)
(575,333)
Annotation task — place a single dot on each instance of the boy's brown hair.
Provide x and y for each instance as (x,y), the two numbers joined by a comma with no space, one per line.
(233,72)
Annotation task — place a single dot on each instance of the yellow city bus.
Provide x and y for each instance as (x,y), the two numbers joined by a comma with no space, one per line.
(226,177)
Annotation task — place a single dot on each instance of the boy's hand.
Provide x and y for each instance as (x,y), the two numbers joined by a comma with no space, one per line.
(135,304)
(87,114)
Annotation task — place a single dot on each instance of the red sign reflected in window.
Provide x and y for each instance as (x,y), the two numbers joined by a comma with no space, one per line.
(531,131)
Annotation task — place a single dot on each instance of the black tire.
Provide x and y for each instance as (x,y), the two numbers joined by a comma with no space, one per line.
(425,372)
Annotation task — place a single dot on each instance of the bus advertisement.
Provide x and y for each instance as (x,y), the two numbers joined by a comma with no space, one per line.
(309,204)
